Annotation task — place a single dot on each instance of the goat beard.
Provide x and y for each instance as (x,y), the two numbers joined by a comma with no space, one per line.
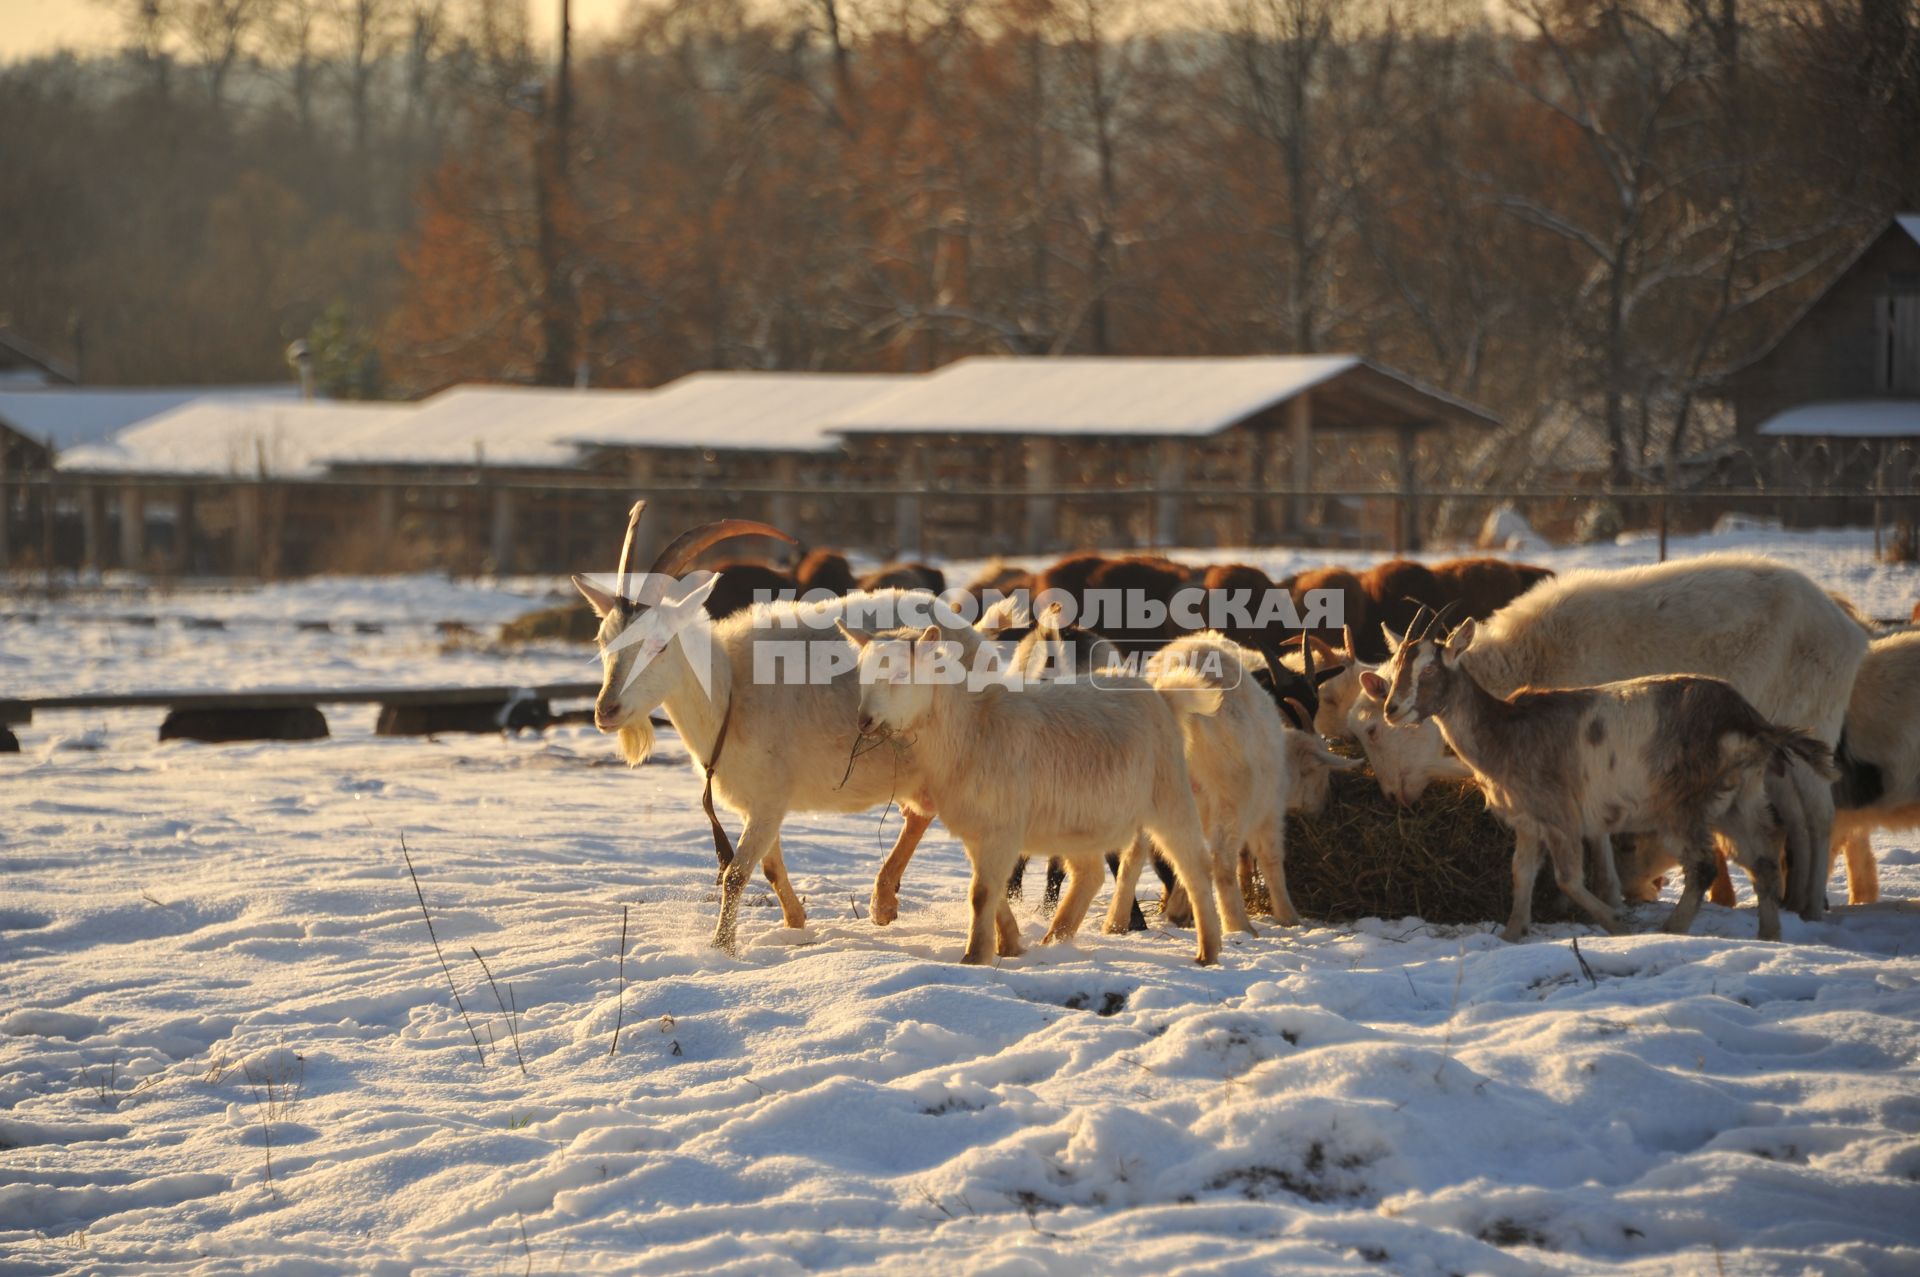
(636,741)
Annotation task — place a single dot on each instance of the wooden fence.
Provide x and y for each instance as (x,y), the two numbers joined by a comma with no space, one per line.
(262,528)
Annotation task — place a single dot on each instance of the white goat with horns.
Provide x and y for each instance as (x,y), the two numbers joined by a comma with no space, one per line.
(767,746)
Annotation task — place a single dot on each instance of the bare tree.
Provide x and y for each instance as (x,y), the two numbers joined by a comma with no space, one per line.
(291,28)
(216,33)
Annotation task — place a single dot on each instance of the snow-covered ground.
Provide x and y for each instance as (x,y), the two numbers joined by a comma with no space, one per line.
(212,961)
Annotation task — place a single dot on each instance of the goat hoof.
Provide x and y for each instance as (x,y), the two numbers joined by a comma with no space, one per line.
(883,911)
(1512,935)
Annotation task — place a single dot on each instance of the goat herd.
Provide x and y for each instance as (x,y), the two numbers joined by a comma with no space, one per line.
(1724,705)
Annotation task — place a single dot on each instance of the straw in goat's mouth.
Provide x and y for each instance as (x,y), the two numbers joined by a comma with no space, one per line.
(864,743)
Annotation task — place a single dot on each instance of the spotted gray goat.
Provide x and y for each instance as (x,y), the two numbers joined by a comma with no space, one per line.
(1678,756)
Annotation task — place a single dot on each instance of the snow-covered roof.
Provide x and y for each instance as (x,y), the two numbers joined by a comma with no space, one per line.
(1093,395)
(1848,419)
(1114,395)
(497,425)
(773,411)
(68,416)
(287,437)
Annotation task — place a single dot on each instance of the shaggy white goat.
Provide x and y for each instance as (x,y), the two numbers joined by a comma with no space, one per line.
(1042,650)
(1064,769)
(1778,638)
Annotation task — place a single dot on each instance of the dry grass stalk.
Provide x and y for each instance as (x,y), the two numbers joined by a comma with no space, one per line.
(422,897)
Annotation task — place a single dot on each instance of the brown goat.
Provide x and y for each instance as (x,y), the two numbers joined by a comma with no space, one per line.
(741,583)
(1395,591)
(824,570)
(1231,578)
(905,576)
(1000,578)
(1139,578)
(1484,586)
(1069,575)
(1352,611)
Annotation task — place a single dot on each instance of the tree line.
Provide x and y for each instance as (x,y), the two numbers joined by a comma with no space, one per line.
(1577,212)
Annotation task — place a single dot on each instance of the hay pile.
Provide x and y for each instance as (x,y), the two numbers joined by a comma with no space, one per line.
(1446,859)
(572,622)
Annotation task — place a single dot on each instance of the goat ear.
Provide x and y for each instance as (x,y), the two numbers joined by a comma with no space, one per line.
(1393,640)
(859,638)
(931,634)
(1458,641)
(598,599)
(1375,686)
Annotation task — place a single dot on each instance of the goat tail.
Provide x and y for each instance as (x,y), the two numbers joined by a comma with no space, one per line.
(1790,742)
(1779,747)
(1188,693)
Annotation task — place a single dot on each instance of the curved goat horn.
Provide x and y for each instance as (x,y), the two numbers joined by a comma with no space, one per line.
(1306,654)
(1442,620)
(626,546)
(685,548)
(1346,634)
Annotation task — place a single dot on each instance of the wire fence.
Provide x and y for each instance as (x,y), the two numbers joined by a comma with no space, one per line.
(471,523)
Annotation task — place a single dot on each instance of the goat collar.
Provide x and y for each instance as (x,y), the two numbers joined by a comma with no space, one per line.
(722,847)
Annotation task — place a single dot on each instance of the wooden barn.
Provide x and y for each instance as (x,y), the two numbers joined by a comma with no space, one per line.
(1834,399)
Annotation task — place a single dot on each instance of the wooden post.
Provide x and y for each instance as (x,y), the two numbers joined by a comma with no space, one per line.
(907,502)
(501,537)
(246,529)
(92,529)
(1170,473)
(1299,412)
(652,534)
(386,511)
(183,530)
(133,528)
(1043,508)
(46,535)
(1879,485)
(783,509)
(1262,525)
(6,508)
(1405,536)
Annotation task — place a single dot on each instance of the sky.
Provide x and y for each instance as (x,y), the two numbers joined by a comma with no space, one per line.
(29,28)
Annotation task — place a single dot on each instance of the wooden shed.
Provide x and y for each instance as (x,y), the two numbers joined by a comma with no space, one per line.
(1833,401)
(1032,455)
